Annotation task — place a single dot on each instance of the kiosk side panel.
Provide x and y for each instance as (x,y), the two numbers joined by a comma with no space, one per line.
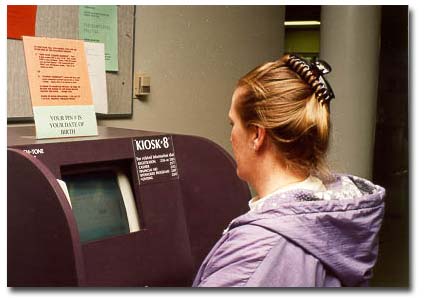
(212,193)
(42,239)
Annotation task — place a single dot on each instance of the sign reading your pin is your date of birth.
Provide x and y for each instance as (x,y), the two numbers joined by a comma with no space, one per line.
(155,159)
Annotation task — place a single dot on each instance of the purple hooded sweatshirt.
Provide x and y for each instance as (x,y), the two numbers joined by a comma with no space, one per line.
(301,238)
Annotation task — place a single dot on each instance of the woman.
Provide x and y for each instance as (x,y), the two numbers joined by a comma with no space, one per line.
(306,227)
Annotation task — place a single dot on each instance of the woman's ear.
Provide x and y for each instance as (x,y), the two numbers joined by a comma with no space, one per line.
(259,137)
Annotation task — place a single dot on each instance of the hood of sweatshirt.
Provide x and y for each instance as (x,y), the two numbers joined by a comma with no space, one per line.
(339,226)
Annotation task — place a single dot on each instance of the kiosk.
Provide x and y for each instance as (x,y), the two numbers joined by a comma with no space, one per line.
(125,208)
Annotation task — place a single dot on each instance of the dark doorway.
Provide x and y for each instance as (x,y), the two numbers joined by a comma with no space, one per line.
(391,154)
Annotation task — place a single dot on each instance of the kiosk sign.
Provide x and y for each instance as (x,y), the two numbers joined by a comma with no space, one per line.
(155,159)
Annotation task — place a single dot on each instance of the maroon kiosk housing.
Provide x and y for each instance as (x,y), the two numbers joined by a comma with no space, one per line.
(180,217)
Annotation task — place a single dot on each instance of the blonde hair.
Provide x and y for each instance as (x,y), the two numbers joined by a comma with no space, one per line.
(280,96)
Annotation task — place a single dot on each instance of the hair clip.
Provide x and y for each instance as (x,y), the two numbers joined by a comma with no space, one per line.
(318,68)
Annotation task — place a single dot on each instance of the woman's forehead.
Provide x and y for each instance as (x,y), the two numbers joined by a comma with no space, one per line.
(239,92)
(238,95)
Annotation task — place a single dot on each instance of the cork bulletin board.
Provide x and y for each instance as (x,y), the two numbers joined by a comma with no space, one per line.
(62,22)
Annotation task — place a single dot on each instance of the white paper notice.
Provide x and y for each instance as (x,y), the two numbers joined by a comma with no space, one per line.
(95,54)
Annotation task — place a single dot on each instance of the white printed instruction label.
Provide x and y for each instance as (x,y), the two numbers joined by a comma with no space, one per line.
(155,159)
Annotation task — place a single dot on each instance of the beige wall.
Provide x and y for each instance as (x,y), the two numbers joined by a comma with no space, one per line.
(195,55)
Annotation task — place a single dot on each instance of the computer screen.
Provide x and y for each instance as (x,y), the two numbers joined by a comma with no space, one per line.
(102,203)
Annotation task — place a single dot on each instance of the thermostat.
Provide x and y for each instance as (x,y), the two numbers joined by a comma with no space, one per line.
(142,84)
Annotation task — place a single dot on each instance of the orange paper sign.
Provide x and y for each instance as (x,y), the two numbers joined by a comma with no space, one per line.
(21,20)
(57,72)
(59,87)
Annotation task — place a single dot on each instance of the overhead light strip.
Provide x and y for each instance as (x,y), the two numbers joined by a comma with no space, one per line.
(302,23)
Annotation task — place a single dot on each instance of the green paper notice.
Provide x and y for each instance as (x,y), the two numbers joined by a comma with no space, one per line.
(98,23)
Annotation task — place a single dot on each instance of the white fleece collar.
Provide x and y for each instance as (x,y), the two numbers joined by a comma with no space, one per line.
(310,183)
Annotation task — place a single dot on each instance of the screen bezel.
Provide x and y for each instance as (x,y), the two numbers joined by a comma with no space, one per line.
(125,181)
